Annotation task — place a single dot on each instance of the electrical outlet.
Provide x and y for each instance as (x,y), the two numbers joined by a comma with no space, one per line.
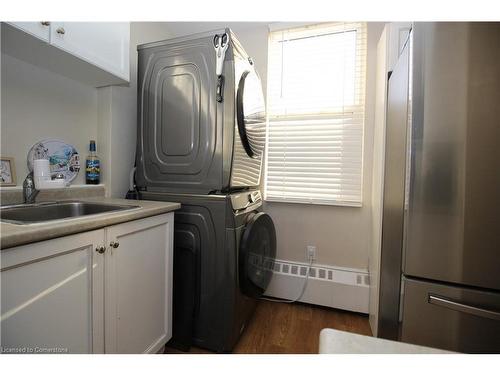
(311,252)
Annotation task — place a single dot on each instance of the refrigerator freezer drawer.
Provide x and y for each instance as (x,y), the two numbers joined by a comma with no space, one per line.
(450,317)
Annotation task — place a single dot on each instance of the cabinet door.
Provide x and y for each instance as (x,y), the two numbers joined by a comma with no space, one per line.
(39,29)
(104,44)
(52,296)
(138,285)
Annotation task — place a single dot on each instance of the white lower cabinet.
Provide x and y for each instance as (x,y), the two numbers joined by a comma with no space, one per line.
(41,30)
(138,285)
(67,295)
(52,296)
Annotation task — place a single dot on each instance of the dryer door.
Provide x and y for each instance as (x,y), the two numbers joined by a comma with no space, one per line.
(257,253)
(251,114)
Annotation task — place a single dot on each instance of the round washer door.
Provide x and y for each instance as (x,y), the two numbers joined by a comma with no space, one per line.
(251,114)
(257,254)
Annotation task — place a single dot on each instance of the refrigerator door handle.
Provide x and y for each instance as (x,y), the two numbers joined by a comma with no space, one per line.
(467,309)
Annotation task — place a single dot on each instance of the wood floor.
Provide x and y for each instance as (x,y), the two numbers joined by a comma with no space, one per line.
(291,328)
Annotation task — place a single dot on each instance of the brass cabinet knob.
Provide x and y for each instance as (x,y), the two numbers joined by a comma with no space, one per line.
(45,23)
(60,30)
(114,245)
(100,249)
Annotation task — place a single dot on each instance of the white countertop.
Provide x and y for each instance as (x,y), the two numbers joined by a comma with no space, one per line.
(332,341)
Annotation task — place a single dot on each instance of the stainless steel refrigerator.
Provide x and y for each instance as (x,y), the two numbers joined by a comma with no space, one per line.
(440,258)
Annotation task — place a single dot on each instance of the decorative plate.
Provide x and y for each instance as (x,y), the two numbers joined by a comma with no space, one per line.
(62,156)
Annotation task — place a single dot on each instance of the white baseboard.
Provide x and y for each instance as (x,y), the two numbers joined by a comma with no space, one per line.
(341,288)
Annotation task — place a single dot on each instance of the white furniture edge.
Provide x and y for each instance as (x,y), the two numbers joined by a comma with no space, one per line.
(332,341)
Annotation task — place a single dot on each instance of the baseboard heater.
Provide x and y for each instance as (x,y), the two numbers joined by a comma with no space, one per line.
(338,287)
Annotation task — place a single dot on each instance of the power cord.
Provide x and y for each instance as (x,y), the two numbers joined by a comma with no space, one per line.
(304,286)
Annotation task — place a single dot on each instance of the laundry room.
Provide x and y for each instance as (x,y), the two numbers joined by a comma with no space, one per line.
(185,186)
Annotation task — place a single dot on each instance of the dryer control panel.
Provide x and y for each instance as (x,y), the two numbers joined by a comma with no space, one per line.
(246,199)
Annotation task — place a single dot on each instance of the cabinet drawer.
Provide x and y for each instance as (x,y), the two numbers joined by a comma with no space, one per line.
(452,318)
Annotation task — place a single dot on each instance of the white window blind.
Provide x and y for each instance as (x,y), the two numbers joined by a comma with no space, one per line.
(316,110)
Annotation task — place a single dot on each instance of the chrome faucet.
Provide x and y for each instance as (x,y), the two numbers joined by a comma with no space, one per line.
(29,190)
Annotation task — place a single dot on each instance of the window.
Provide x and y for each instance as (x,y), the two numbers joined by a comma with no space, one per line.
(316,100)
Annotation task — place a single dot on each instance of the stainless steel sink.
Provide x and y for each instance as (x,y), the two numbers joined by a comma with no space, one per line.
(42,212)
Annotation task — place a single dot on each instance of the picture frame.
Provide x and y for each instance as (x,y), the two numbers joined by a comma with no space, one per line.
(7,171)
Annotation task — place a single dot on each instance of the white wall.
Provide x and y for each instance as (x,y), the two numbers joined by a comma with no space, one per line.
(118,114)
(391,39)
(38,104)
(378,174)
(342,234)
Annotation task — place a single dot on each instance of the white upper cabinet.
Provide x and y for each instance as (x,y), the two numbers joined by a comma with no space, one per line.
(95,53)
(105,44)
(40,29)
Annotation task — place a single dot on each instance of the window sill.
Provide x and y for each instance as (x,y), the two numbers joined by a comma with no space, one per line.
(316,202)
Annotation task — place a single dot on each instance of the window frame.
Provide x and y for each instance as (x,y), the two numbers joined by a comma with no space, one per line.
(359,107)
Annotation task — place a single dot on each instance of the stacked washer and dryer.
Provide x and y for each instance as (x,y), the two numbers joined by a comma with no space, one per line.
(201,137)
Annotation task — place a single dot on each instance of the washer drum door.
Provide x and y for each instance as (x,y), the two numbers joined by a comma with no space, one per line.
(257,254)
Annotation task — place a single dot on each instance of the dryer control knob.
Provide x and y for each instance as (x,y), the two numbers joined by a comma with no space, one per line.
(253,197)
